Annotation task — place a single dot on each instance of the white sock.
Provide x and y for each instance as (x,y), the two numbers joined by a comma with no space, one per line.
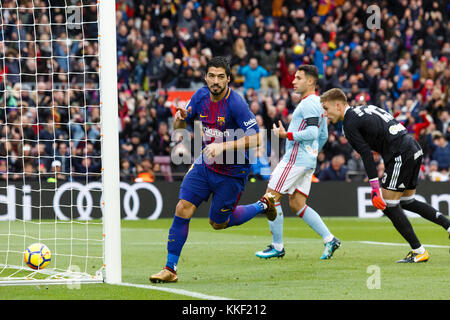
(278,246)
(328,238)
(448,230)
(420,250)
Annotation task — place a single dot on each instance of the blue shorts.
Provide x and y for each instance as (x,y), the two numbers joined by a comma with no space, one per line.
(200,182)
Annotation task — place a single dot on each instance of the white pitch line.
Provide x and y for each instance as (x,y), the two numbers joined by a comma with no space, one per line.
(173,290)
(287,241)
(401,244)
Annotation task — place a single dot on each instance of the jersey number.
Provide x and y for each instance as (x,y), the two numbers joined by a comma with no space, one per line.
(371,109)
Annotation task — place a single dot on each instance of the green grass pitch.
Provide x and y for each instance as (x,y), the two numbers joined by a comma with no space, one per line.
(222,264)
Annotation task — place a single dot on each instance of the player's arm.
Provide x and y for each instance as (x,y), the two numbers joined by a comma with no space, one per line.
(358,143)
(184,114)
(247,122)
(179,120)
(310,132)
(311,115)
(247,142)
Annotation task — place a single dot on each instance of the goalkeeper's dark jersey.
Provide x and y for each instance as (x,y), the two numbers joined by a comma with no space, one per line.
(370,128)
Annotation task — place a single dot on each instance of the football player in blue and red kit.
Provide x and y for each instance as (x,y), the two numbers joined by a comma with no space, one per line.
(229,130)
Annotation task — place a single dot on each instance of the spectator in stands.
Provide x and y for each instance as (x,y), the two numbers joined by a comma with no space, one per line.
(171,70)
(253,73)
(144,171)
(155,68)
(85,170)
(336,171)
(47,136)
(139,154)
(129,146)
(41,157)
(185,78)
(55,175)
(441,150)
(127,172)
(332,146)
(142,123)
(287,71)
(62,155)
(434,174)
(269,58)
(330,79)
(187,21)
(344,147)
(160,141)
(356,170)
(322,163)
(443,122)
(162,108)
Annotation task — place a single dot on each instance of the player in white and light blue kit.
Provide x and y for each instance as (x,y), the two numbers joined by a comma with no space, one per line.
(306,135)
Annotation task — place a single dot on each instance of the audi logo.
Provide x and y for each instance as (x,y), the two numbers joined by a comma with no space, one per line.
(85,203)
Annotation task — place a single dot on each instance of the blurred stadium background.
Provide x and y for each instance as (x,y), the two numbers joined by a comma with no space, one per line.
(162,50)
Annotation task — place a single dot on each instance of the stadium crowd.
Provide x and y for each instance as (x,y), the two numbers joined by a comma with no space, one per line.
(400,65)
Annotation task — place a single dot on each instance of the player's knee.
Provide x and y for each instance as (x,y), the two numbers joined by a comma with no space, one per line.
(217,226)
(184,209)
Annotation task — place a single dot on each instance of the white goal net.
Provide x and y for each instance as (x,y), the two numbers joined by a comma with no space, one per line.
(52,168)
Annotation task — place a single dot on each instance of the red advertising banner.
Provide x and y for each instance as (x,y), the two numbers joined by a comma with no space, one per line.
(178,98)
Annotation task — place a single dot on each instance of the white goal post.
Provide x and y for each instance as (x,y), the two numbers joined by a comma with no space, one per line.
(69,76)
(111,176)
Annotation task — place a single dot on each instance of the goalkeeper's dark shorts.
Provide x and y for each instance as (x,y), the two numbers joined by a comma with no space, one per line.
(402,172)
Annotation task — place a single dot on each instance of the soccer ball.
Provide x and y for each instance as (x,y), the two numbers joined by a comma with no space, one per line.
(37,256)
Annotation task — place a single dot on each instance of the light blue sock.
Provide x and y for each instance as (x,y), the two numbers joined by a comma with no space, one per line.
(313,220)
(276,227)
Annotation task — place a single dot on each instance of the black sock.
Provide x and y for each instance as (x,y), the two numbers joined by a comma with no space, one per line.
(426,211)
(402,224)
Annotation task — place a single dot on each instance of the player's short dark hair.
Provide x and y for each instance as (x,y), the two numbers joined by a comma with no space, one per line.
(334,94)
(310,70)
(219,62)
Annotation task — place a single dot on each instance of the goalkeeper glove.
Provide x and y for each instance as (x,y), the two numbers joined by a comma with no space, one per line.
(377,199)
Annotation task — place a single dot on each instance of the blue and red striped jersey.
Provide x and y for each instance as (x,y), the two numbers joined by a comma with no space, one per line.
(227,119)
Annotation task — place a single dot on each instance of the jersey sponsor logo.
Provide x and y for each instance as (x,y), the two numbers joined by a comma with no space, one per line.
(312,151)
(396,128)
(210,132)
(250,123)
